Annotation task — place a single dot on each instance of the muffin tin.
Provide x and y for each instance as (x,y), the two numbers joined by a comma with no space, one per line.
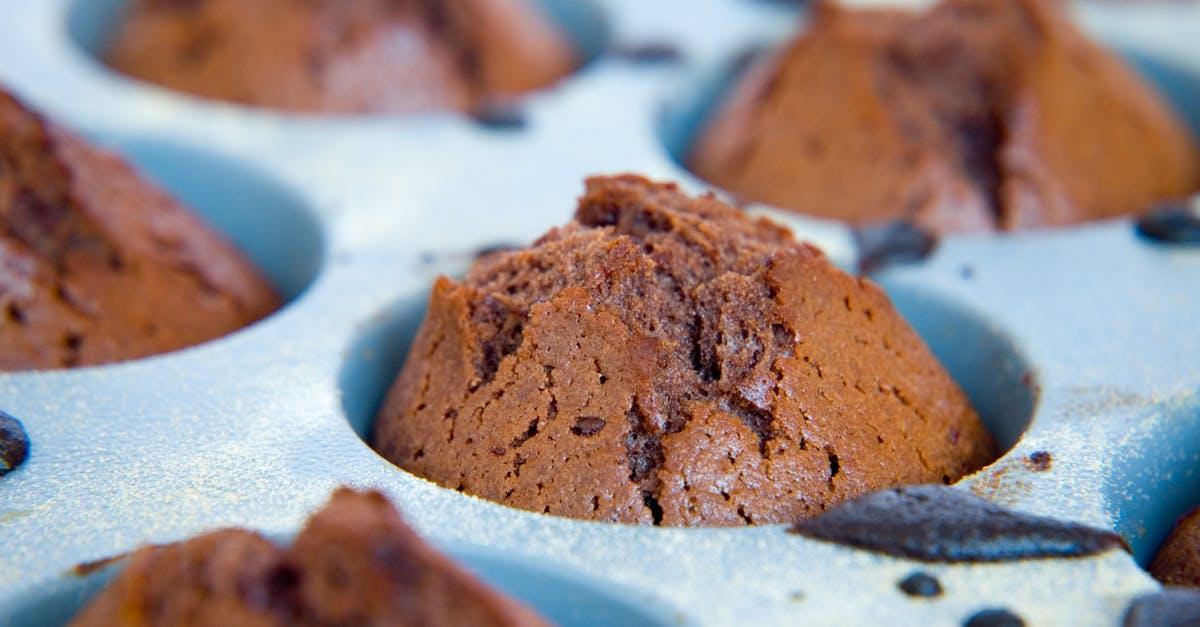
(1079,346)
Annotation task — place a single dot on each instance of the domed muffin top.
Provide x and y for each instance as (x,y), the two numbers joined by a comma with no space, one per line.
(667,359)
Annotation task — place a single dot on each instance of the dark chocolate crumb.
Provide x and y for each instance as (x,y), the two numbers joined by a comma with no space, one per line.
(883,245)
(656,510)
(1040,461)
(995,617)
(649,53)
(588,425)
(14,443)
(1173,607)
(491,249)
(921,584)
(500,116)
(1173,223)
(15,314)
(936,523)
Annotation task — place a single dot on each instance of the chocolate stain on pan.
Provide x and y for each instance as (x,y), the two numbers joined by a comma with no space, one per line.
(1005,482)
(83,569)
(1090,400)
(935,523)
(1169,608)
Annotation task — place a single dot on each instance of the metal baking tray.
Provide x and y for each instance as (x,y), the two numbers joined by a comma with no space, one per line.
(1081,343)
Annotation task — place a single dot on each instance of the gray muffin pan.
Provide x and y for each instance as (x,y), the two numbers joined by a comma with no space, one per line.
(1083,342)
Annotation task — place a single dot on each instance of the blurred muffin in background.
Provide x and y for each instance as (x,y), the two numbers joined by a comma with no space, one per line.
(343,56)
(974,115)
(99,265)
(356,562)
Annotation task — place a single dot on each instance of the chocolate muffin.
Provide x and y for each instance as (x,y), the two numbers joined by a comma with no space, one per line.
(665,359)
(98,265)
(343,56)
(1178,560)
(354,563)
(974,115)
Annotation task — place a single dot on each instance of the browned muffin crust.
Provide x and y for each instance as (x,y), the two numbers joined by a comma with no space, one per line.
(355,563)
(974,115)
(1178,560)
(665,359)
(98,265)
(343,56)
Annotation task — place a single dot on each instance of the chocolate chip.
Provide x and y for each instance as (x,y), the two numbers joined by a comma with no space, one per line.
(1040,461)
(649,53)
(492,249)
(745,58)
(1173,607)
(936,523)
(1174,223)
(500,116)
(995,617)
(920,584)
(14,444)
(883,245)
(588,425)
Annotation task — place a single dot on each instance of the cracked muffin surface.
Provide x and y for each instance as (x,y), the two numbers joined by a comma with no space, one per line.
(975,115)
(355,563)
(665,359)
(98,265)
(343,56)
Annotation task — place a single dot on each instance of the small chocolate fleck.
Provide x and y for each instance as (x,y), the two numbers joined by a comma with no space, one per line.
(14,443)
(649,53)
(83,569)
(994,617)
(745,58)
(1173,607)
(899,242)
(936,523)
(588,425)
(921,584)
(1039,461)
(500,116)
(1173,223)
(491,249)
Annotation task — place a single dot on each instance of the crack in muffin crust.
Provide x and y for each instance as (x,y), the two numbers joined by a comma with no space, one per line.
(664,359)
